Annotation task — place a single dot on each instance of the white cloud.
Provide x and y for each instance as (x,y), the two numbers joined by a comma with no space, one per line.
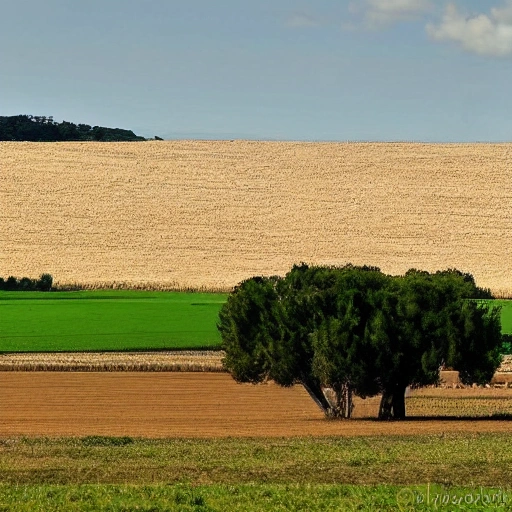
(483,34)
(302,20)
(379,13)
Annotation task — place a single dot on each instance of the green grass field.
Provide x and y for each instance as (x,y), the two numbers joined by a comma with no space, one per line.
(108,320)
(506,315)
(252,498)
(387,473)
(118,320)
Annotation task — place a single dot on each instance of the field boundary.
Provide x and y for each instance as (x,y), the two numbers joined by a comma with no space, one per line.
(162,361)
(143,286)
(176,361)
(150,286)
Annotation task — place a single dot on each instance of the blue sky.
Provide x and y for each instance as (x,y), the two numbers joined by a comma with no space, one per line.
(376,70)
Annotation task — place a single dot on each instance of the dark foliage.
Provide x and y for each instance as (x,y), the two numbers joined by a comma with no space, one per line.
(506,346)
(357,330)
(25,284)
(45,129)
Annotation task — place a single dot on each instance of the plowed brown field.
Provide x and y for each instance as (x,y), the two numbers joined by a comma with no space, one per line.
(209,214)
(180,405)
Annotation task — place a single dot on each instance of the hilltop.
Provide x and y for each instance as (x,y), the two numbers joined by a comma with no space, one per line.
(45,129)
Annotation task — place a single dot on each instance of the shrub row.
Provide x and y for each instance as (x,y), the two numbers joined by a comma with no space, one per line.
(25,284)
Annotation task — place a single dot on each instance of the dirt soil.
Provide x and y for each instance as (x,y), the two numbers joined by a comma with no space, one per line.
(180,404)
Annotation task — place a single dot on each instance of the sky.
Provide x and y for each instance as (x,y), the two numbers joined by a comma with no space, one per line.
(319,70)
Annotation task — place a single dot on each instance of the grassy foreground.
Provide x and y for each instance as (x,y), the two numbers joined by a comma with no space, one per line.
(108,320)
(373,473)
(251,498)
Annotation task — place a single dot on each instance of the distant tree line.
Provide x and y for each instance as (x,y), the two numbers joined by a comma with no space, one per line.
(45,129)
(25,284)
(355,330)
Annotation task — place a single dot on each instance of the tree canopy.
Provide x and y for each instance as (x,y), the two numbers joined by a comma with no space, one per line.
(25,284)
(357,330)
(45,129)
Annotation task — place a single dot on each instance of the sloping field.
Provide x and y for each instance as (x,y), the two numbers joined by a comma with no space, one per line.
(181,405)
(209,214)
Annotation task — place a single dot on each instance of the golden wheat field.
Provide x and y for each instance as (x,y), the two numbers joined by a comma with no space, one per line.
(207,214)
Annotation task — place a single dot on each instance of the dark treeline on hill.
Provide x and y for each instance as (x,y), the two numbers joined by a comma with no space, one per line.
(45,129)
(25,284)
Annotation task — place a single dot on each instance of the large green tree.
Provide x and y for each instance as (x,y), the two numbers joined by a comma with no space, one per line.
(429,321)
(357,330)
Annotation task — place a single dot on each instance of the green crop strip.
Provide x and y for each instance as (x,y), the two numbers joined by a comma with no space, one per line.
(108,320)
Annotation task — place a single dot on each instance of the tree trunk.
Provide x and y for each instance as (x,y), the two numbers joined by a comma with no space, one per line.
(342,408)
(386,406)
(315,392)
(399,402)
(339,398)
(392,404)
(344,403)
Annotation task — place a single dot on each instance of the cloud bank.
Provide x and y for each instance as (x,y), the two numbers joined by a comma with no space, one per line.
(302,20)
(486,34)
(483,34)
(379,13)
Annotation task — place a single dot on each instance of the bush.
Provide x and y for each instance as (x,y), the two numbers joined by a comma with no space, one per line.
(506,344)
(25,284)
(44,284)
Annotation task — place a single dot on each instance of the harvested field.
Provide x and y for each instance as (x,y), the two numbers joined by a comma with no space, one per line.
(206,214)
(431,402)
(171,360)
(165,361)
(181,405)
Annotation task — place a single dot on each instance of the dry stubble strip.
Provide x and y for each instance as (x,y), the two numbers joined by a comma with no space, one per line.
(184,361)
(189,361)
